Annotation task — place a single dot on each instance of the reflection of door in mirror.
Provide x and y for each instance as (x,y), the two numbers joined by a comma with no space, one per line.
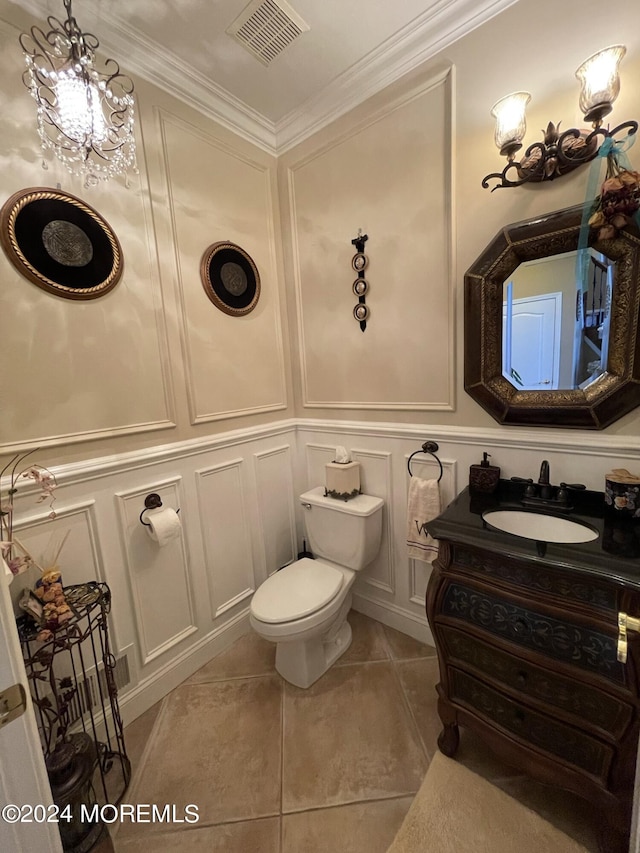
(531,340)
(556,322)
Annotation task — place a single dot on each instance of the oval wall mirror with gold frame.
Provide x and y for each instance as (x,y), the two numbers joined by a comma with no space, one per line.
(604,388)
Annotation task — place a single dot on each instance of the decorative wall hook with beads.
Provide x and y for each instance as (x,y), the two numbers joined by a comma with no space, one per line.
(360,286)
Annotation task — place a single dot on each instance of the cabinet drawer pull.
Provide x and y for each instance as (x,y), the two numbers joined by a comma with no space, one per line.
(522,676)
(518,715)
(625,623)
(520,626)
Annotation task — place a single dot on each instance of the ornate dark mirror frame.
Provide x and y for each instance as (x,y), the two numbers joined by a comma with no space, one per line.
(608,397)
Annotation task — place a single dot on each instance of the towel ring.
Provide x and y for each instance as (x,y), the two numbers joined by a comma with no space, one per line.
(430,447)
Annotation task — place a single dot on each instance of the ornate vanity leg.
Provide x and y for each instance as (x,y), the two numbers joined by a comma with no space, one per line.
(449,738)
(614,830)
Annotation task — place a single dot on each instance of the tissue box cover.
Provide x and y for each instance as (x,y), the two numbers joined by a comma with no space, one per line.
(342,480)
(622,495)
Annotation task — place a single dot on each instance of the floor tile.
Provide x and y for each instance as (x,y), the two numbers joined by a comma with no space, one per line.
(349,737)
(340,761)
(419,678)
(248,656)
(255,836)
(358,828)
(403,646)
(367,643)
(137,733)
(217,746)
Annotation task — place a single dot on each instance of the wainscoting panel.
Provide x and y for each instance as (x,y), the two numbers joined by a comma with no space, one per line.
(158,576)
(225,530)
(276,512)
(375,479)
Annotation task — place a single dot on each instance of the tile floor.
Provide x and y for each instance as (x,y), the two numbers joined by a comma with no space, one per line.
(276,769)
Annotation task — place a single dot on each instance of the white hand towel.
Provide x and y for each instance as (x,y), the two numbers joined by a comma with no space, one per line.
(423,504)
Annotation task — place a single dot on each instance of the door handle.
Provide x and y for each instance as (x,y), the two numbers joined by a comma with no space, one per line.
(625,623)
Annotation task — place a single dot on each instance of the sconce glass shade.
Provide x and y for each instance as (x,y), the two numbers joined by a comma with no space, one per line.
(511,125)
(600,83)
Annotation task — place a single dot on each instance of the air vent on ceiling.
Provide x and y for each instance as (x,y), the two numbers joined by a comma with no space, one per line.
(266,27)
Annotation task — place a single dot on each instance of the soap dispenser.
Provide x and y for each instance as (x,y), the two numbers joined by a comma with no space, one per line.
(484,477)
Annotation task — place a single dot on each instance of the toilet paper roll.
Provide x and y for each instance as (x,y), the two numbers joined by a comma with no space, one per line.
(163,525)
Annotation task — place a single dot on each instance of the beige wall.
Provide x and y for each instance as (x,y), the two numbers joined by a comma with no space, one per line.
(382,173)
(536,50)
(153,361)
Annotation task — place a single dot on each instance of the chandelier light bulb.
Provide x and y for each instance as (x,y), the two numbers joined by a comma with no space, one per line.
(80,110)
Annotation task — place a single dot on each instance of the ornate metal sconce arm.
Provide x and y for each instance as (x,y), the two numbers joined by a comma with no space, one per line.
(556,155)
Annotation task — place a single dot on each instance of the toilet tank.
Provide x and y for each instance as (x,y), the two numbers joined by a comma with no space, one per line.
(345,532)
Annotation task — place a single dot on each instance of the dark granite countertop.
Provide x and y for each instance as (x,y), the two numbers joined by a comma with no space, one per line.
(614,555)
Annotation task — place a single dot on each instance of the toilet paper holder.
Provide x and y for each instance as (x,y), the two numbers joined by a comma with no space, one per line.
(152,501)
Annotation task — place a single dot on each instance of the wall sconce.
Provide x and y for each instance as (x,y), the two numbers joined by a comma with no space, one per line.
(85,115)
(559,153)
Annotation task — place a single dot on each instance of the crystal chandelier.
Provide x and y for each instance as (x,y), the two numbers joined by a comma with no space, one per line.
(85,114)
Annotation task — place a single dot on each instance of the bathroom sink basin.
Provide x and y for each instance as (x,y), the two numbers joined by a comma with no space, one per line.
(536,525)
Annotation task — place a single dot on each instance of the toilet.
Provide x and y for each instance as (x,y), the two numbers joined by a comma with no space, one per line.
(303,607)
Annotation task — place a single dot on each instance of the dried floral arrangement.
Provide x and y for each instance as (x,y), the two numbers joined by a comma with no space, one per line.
(619,199)
(19,563)
(46,604)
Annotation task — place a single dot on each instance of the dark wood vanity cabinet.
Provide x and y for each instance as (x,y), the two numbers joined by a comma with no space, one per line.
(528,661)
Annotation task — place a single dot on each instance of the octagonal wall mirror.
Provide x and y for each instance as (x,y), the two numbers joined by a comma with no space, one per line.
(545,345)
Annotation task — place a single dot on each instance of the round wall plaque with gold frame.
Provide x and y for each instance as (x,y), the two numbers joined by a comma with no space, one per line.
(230,278)
(60,243)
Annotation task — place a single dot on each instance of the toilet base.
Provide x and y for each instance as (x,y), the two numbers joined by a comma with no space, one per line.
(302,663)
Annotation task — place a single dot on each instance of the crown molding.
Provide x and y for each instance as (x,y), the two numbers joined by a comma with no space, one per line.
(156,65)
(440,26)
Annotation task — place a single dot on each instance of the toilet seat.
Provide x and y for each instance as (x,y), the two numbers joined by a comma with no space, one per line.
(296,592)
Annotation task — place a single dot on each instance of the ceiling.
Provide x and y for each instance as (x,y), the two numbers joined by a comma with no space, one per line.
(350,51)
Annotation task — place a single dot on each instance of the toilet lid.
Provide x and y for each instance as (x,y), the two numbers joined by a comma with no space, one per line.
(296,591)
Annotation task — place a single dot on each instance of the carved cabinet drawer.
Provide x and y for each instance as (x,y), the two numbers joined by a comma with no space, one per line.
(584,647)
(541,731)
(538,582)
(590,707)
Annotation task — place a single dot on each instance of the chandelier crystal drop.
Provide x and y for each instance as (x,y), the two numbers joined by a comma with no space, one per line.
(85,114)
